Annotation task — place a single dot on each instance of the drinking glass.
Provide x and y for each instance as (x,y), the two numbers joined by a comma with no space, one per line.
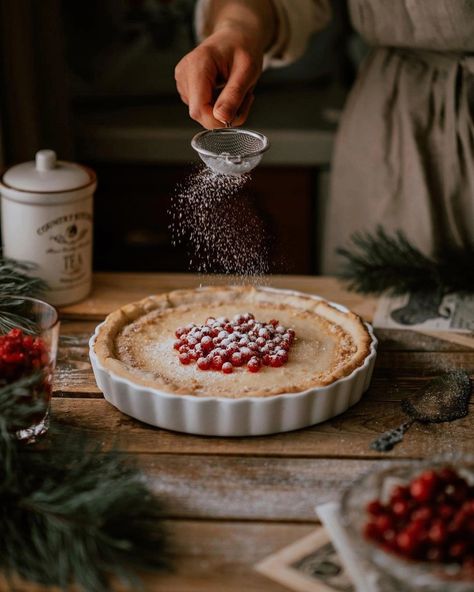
(29,330)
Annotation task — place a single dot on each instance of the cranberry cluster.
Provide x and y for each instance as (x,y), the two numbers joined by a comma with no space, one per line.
(430,519)
(20,354)
(222,344)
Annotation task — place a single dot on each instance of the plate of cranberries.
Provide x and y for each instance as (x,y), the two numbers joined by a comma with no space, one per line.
(416,522)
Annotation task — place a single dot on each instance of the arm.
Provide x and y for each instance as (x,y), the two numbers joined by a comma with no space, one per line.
(236,34)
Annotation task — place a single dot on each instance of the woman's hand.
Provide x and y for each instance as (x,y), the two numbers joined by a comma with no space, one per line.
(229,59)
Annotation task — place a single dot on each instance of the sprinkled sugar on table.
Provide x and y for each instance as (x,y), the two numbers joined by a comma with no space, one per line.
(233,501)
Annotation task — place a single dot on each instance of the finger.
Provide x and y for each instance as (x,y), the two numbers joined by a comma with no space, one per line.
(241,79)
(244,110)
(200,85)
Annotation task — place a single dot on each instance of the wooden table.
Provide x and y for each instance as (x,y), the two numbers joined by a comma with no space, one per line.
(231,502)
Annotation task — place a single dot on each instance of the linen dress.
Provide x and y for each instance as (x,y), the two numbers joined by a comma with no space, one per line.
(404,152)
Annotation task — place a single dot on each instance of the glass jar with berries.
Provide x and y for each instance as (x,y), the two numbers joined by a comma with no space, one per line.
(29,331)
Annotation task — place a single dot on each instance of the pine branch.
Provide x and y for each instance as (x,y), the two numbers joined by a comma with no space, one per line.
(74,515)
(378,262)
(77,515)
(70,514)
(16,279)
(21,403)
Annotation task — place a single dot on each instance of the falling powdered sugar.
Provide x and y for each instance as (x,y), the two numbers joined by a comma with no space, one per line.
(219,225)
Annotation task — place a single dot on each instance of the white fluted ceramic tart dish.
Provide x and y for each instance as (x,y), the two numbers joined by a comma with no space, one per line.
(233,361)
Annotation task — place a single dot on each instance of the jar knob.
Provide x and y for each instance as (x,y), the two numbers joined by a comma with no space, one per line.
(45,160)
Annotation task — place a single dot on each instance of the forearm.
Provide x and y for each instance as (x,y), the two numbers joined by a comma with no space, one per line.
(257,18)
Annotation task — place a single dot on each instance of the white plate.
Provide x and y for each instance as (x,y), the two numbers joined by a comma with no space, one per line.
(249,416)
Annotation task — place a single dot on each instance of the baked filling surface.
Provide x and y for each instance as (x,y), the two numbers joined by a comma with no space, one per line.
(136,342)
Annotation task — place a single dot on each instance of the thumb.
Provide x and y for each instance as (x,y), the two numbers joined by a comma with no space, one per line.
(241,80)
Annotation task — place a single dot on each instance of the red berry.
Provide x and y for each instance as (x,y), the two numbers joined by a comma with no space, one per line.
(401,508)
(400,492)
(185,358)
(254,364)
(423,514)
(204,363)
(446,512)
(206,343)
(27,341)
(375,507)
(419,491)
(407,542)
(438,533)
(384,522)
(237,359)
(276,361)
(217,363)
(246,353)
(227,368)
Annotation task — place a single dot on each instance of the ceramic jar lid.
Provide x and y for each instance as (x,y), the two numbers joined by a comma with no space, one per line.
(46,174)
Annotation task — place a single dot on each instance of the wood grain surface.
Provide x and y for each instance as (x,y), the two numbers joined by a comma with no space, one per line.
(230,502)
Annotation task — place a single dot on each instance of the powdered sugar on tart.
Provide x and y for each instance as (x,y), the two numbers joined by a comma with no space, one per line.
(138,342)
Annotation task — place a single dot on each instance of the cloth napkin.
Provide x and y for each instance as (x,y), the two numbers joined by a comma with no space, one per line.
(365,577)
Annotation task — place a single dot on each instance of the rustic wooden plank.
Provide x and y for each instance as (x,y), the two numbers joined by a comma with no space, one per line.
(402,364)
(246,488)
(407,340)
(348,435)
(218,557)
(112,290)
(214,557)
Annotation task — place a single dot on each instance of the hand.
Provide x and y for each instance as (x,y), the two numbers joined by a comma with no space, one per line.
(231,56)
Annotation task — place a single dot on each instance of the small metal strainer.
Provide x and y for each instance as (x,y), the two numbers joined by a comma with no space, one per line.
(230,151)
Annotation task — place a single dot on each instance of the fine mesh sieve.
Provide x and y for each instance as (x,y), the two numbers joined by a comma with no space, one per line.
(230,151)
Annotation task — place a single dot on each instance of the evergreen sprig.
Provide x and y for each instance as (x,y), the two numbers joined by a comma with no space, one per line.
(20,403)
(70,513)
(376,263)
(16,279)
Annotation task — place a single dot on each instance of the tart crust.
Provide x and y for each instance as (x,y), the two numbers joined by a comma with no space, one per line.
(136,342)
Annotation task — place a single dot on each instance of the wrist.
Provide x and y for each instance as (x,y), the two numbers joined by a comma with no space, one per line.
(256,22)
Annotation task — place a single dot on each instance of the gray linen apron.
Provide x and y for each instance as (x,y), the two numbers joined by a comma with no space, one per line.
(404,155)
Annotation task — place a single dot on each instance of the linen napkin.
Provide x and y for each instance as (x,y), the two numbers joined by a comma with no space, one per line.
(365,577)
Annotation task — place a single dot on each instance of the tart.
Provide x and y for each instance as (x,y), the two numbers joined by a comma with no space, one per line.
(141,343)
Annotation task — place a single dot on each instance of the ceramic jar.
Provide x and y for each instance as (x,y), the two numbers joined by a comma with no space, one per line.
(46,215)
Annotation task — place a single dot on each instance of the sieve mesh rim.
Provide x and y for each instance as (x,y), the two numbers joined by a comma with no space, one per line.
(195,142)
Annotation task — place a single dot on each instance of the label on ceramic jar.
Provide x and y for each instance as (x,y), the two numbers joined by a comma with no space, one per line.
(58,239)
